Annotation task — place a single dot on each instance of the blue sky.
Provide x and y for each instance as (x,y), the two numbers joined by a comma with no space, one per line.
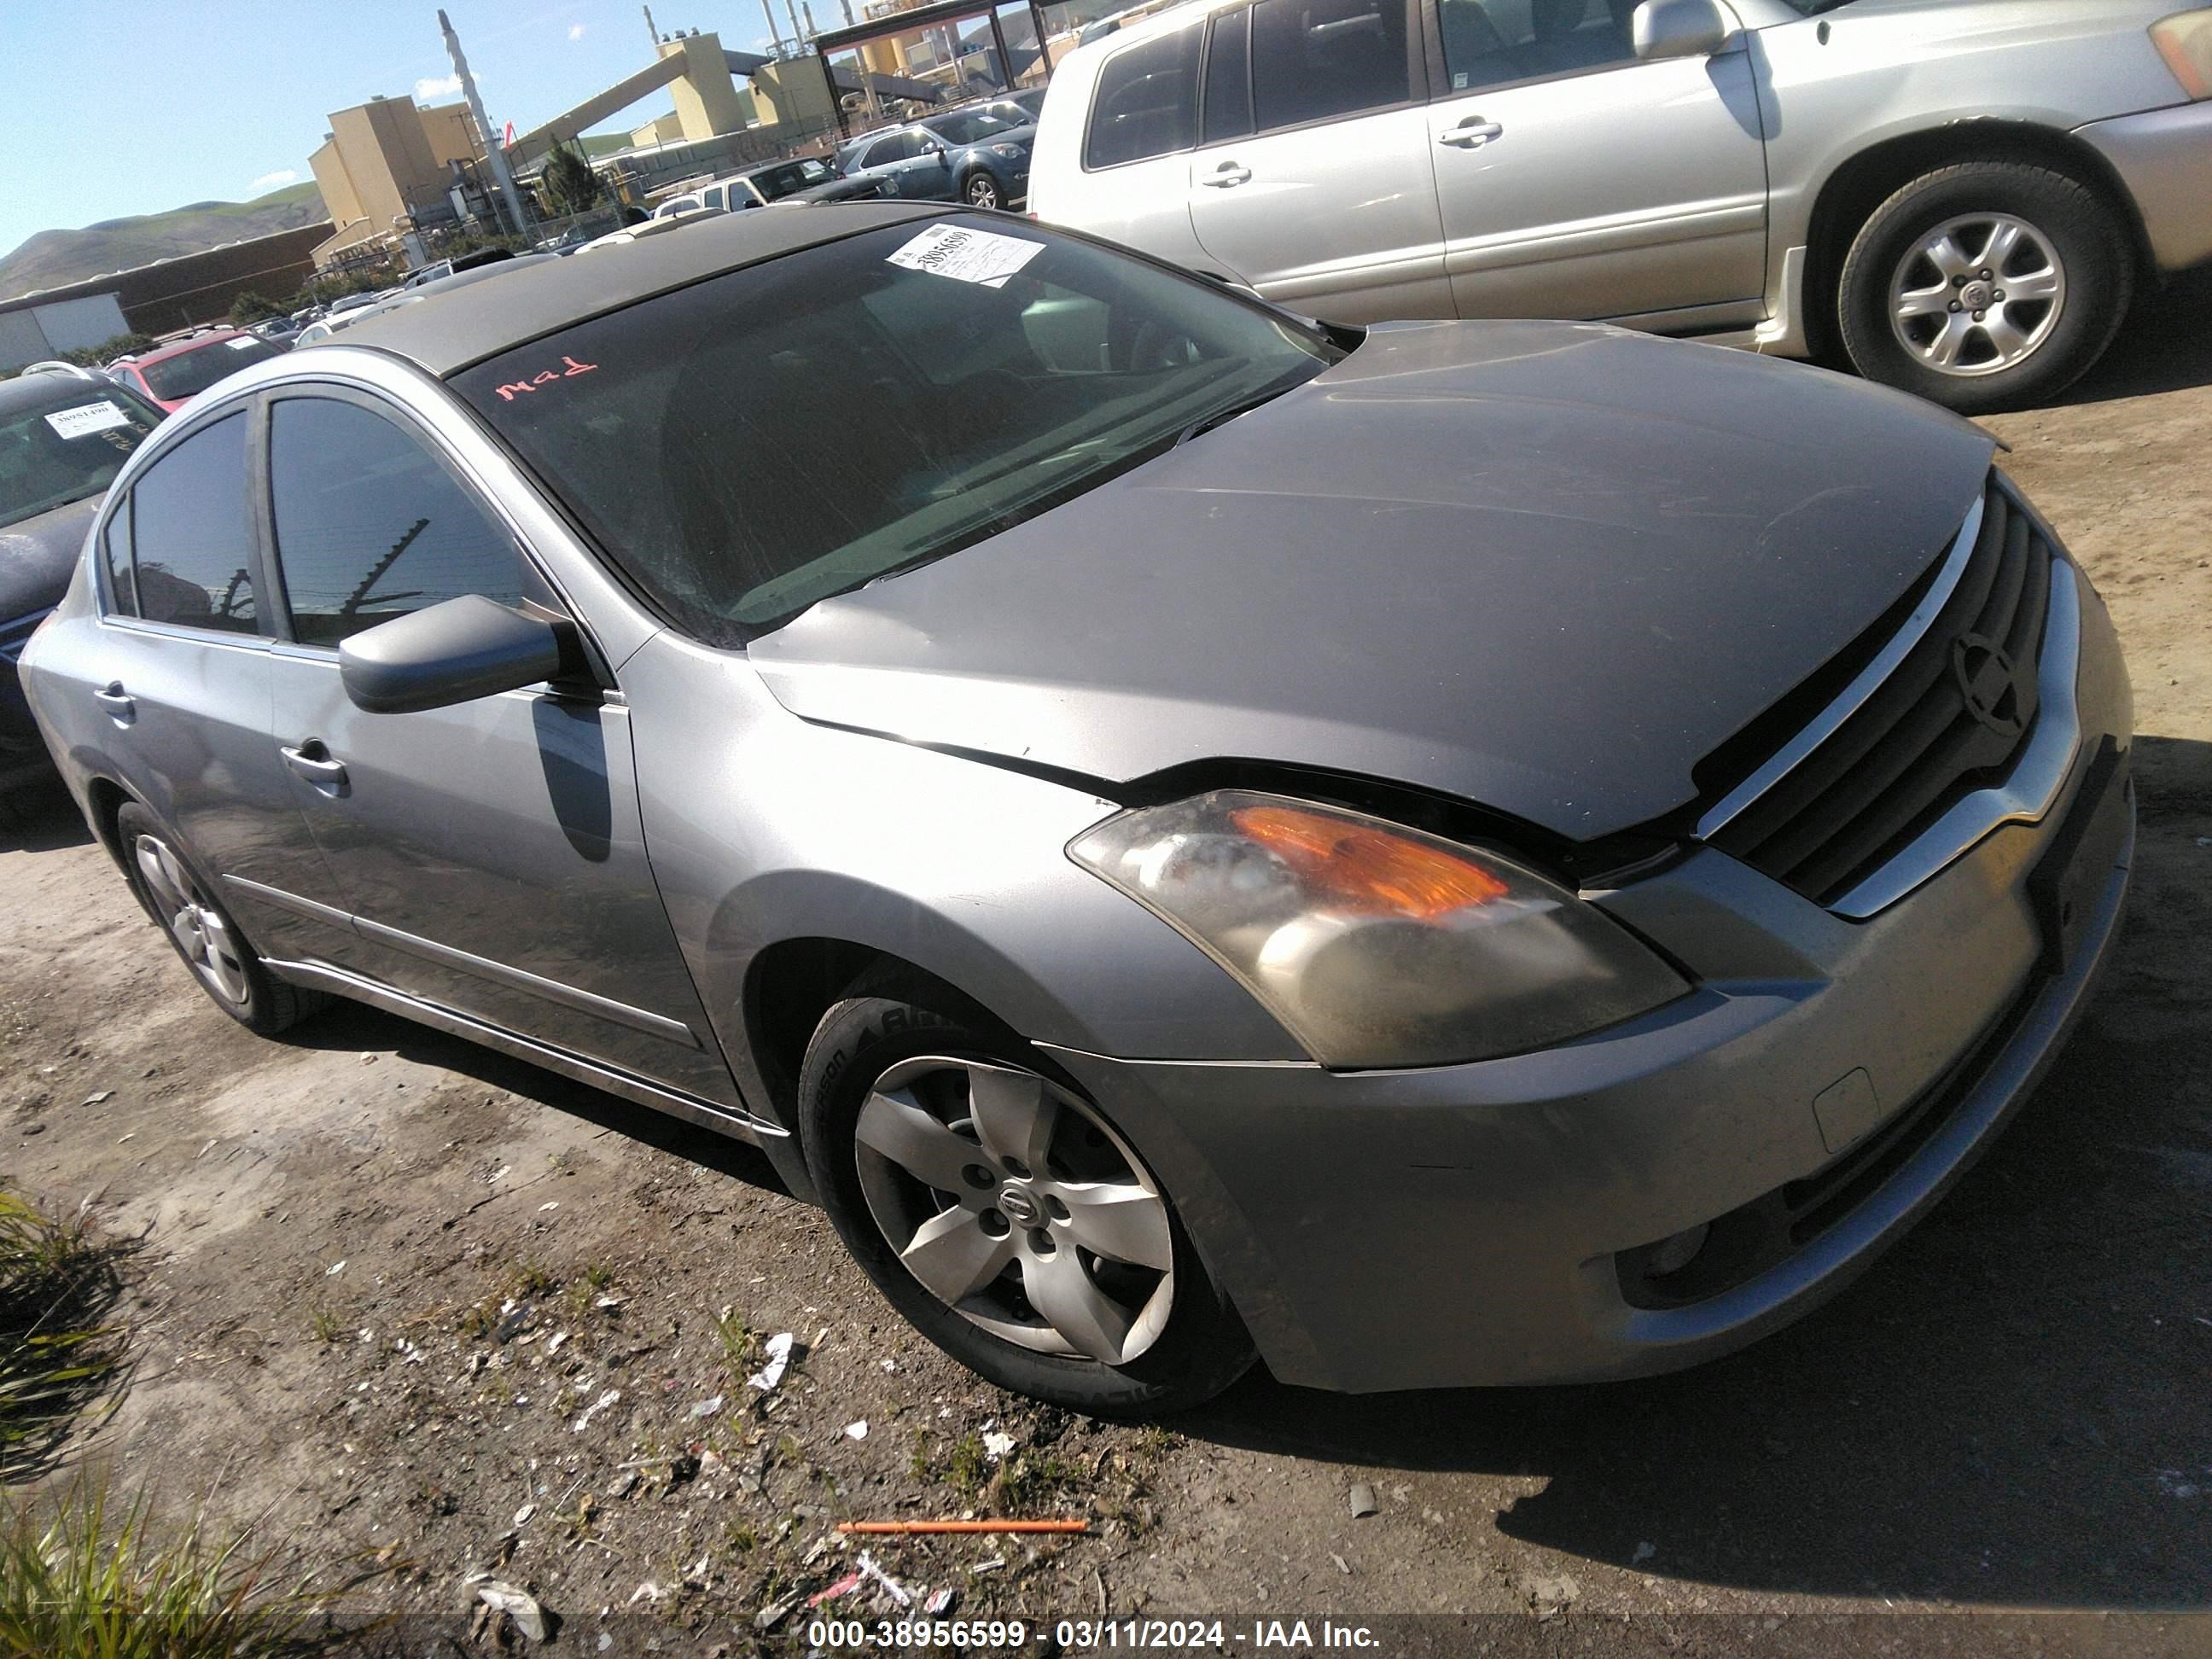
(113,108)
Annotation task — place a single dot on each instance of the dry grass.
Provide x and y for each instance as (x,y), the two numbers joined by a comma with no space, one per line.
(60,1350)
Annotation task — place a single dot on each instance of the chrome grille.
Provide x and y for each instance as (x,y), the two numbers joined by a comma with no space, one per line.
(1944,709)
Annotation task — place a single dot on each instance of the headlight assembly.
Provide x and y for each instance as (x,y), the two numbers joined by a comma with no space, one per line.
(1378,945)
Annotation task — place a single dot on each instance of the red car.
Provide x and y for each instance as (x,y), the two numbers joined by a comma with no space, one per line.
(173,375)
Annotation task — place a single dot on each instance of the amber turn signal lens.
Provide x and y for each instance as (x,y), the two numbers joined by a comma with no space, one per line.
(1368,870)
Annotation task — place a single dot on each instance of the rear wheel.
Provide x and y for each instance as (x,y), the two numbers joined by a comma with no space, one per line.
(1005,1217)
(982,191)
(201,932)
(1986,285)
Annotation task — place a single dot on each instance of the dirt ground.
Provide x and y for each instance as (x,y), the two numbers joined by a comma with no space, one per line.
(403,1300)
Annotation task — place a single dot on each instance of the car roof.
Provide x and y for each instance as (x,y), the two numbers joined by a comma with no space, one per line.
(456,329)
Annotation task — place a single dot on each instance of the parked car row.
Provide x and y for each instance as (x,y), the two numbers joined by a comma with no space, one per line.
(978,153)
(1415,853)
(809,179)
(1962,194)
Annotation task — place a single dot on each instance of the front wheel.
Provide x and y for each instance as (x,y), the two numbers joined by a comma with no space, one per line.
(982,191)
(1005,1217)
(1984,286)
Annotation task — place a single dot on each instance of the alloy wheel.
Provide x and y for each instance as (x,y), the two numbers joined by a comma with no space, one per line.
(1010,1201)
(202,933)
(1978,294)
(982,191)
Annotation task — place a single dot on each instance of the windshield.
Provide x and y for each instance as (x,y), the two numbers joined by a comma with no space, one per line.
(67,446)
(191,373)
(752,444)
(967,126)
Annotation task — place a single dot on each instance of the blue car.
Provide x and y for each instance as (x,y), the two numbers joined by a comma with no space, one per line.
(967,155)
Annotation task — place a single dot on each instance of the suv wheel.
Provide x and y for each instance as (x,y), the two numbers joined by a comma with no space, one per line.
(980,191)
(201,931)
(1005,1217)
(1986,285)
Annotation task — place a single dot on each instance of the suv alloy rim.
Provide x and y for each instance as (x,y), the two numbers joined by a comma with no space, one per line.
(1014,1204)
(981,191)
(197,926)
(1976,294)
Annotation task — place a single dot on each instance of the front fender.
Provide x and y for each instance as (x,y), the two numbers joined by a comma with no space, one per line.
(764,828)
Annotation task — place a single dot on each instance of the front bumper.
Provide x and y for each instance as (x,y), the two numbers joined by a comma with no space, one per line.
(1476,1225)
(2164,157)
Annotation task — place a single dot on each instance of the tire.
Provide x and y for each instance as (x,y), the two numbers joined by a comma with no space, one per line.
(2026,348)
(164,875)
(1183,1342)
(980,190)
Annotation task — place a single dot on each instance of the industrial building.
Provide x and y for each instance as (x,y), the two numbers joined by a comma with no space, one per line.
(389,166)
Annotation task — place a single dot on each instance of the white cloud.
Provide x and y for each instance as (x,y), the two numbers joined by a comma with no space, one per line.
(575,31)
(277,180)
(426,89)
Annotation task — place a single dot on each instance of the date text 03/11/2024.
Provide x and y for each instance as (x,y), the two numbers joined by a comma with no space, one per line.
(1088,1635)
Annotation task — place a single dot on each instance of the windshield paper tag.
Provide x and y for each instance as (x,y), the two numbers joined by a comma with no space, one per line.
(981,256)
(85,419)
(242,341)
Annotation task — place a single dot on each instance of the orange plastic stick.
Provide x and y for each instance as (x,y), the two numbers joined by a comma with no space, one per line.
(962,1526)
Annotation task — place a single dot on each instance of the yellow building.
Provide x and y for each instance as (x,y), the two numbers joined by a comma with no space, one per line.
(385,161)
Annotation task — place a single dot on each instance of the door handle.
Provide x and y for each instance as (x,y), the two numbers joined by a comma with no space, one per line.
(1227,175)
(313,762)
(1472,134)
(121,708)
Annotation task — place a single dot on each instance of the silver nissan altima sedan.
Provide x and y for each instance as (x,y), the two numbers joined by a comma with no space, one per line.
(1453,852)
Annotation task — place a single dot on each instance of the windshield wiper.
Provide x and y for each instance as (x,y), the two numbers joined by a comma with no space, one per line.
(1223,417)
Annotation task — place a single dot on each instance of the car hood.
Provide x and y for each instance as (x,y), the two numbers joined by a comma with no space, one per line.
(1543,567)
(38,556)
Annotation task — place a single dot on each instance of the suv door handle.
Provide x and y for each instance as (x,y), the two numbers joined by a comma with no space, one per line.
(1227,175)
(121,708)
(313,762)
(1471,134)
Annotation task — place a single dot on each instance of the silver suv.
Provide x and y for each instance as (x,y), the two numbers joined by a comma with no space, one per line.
(1965,193)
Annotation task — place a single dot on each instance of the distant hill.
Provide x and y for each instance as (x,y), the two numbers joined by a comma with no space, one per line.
(54,259)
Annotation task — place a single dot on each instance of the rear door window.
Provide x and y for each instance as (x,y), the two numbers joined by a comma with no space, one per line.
(1229,78)
(1314,60)
(1146,101)
(370,524)
(191,533)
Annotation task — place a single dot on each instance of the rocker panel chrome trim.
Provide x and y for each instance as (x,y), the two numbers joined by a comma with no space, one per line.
(321,975)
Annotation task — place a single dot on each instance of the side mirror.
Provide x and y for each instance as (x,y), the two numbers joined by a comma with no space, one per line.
(1680,29)
(456,652)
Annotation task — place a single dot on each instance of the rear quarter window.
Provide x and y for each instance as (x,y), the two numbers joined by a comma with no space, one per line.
(1146,101)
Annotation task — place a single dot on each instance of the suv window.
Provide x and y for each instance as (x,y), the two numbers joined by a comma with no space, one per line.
(193,535)
(899,147)
(370,526)
(1146,103)
(1314,59)
(1488,45)
(1229,78)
